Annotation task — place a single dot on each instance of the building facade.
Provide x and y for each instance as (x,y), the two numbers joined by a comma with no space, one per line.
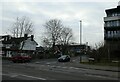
(12,46)
(112,30)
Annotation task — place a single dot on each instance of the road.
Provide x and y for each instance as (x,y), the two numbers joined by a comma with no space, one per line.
(50,69)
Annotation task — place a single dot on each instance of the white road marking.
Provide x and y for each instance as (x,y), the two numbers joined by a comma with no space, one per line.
(37,62)
(53,66)
(10,75)
(33,77)
(24,76)
(71,68)
(14,76)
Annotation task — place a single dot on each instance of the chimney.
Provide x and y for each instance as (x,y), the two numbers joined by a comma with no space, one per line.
(8,37)
(25,36)
(5,39)
(32,37)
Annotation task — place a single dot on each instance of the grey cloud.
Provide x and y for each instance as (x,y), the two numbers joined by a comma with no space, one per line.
(70,13)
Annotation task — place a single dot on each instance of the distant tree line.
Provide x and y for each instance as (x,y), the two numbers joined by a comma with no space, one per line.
(55,33)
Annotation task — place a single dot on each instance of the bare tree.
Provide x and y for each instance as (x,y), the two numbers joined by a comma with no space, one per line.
(53,31)
(65,39)
(57,34)
(46,42)
(66,36)
(22,26)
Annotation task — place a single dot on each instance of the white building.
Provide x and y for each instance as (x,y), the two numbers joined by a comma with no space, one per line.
(23,45)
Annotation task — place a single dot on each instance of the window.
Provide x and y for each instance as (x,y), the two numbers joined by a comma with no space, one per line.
(115,14)
(118,23)
(108,24)
(109,32)
(112,23)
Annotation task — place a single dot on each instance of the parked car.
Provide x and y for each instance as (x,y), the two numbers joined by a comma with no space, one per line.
(64,58)
(21,58)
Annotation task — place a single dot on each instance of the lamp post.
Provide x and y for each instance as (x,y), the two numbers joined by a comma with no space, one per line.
(80,32)
(80,37)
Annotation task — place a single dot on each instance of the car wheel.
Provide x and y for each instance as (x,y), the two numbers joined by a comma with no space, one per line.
(68,60)
(59,60)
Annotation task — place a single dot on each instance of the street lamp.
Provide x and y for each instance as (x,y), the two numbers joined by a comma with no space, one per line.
(80,32)
(80,37)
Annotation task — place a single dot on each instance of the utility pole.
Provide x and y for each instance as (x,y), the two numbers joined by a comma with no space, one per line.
(80,32)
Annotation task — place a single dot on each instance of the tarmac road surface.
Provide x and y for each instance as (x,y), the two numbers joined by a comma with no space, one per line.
(52,70)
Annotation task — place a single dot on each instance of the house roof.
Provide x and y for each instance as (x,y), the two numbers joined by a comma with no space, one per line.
(4,36)
(14,40)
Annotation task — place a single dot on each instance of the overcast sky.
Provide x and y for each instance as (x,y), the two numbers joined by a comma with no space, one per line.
(91,13)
